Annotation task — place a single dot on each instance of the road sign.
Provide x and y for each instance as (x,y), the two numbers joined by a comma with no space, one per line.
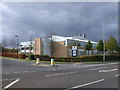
(74,53)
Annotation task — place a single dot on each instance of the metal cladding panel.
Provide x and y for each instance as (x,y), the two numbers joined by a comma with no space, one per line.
(46,46)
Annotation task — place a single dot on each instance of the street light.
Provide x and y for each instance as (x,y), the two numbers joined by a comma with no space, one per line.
(21,49)
(17,43)
(104,37)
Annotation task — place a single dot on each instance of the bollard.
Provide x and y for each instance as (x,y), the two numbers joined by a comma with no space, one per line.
(52,62)
(37,61)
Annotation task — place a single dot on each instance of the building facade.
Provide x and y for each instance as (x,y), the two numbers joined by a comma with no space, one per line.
(63,45)
(33,47)
(58,46)
(26,47)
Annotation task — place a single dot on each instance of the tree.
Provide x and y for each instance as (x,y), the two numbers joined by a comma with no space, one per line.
(31,44)
(71,44)
(112,44)
(88,46)
(1,48)
(74,43)
(12,43)
(118,49)
(100,46)
(51,43)
(4,42)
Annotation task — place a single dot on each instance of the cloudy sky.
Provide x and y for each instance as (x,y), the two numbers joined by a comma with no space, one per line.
(62,18)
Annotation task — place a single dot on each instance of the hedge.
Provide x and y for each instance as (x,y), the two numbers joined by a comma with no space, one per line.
(75,59)
(64,59)
(88,58)
(41,57)
(13,55)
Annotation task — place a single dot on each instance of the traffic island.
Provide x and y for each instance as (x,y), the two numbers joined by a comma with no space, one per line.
(46,65)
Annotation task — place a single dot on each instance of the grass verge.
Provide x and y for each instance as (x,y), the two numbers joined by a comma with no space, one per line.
(31,60)
(48,62)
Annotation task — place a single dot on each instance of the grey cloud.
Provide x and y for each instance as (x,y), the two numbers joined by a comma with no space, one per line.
(37,19)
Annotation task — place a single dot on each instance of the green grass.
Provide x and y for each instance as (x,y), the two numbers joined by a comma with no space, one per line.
(31,60)
(48,62)
(14,58)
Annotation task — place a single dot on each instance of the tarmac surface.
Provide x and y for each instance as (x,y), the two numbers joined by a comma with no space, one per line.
(22,74)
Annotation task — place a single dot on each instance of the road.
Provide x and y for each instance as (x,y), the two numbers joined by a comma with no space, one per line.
(21,74)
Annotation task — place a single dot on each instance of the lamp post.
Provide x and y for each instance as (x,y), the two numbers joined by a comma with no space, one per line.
(17,43)
(104,37)
(21,49)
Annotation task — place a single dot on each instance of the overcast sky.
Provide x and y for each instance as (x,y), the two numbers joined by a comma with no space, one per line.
(62,18)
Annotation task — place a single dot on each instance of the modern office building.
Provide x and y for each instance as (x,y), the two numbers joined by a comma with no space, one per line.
(26,47)
(34,47)
(59,46)
(63,45)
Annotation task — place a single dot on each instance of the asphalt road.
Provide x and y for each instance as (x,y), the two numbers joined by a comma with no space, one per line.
(21,74)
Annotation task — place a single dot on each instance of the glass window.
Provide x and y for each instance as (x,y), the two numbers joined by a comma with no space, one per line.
(22,48)
(69,52)
(27,48)
(64,42)
(95,52)
(80,52)
(88,53)
(94,45)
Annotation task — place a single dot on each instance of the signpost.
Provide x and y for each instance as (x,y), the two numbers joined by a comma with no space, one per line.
(74,51)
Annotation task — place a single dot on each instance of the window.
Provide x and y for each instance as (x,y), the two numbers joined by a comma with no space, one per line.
(80,52)
(64,42)
(70,52)
(82,44)
(27,48)
(95,52)
(94,45)
(22,48)
(88,52)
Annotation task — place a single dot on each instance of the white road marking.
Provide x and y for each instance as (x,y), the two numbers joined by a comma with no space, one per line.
(117,75)
(85,84)
(98,68)
(64,68)
(12,83)
(107,70)
(24,71)
(9,79)
(54,74)
(20,72)
(16,72)
(6,73)
(61,73)
(71,72)
(32,71)
(74,65)
(53,69)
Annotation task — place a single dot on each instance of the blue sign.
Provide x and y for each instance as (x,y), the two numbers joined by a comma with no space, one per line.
(74,53)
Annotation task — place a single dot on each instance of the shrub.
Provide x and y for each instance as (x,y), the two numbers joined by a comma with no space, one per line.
(41,57)
(95,58)
(13,55)
(31,56)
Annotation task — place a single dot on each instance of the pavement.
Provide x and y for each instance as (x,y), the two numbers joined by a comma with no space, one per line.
(22,74)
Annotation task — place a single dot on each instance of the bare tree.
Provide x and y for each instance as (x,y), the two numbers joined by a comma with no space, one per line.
(51,43)
(4,42)
(31,44)
(12,43)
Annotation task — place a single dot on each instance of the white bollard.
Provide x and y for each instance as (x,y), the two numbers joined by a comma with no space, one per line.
(37,61)
(52,62)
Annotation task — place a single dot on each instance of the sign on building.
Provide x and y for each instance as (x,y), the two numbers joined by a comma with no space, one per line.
(74,47)
(74,51)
